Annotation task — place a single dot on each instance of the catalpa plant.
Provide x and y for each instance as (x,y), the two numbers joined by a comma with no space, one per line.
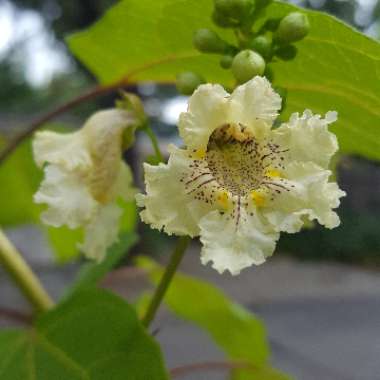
(265,83)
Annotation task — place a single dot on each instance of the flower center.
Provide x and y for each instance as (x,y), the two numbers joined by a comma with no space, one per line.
(236,167)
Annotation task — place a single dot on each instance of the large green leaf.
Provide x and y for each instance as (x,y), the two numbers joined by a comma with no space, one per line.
(95,335)
(237,331)
(336,68)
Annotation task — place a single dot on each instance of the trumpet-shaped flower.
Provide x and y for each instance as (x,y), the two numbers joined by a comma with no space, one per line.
(238,182)
(84,177)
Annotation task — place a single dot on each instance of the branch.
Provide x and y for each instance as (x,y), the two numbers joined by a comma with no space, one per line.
(15,315)
(210,366)
(89,95)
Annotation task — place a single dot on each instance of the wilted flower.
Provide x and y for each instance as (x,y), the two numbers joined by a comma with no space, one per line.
(84,177)
(238,182)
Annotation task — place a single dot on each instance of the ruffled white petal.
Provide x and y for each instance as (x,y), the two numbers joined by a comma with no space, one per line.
(84,177)
(167,206)
(103,123)
(68,150)
(312,196)
(308,138)
(207,110)
(103,132)
(101,232)
(255,104)
(67,197)
(232,247)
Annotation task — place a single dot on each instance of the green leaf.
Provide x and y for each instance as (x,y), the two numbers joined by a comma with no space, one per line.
(238,332)
(92,272)
(146,47)
(128,220)
(19,179)
(95,335)
(64,242)
(336,68)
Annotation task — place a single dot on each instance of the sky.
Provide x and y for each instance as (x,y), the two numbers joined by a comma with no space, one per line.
(37,50)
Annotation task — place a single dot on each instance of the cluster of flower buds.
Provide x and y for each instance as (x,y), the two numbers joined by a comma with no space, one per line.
(255,47)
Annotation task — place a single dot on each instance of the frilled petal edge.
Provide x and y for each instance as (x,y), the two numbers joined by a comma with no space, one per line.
(207,110)
(310,196)
(233,247)
(167,206)
(255,104)
(101,232)
(67,197)
(67,150)
(307,137)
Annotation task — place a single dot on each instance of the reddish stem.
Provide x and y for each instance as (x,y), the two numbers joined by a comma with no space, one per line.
(89,95)
(15,315)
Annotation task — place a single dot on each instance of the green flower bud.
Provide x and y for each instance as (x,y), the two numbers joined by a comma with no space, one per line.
(293,27)
(272,24)
(187,82)
(286,53)
(224,21)
(262,45)
(246,65)
(133,104)
(207,41)
(226,61)
(234,9)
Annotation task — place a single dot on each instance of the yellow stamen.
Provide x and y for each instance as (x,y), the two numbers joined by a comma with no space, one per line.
(223,199)
(199,154)
(259,197)
(273,173)
(235,132)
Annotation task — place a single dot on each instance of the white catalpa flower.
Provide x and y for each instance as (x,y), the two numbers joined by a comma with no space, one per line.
(239,183)
(84,177)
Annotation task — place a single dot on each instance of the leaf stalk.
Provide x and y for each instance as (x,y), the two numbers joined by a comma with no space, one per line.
(23,276)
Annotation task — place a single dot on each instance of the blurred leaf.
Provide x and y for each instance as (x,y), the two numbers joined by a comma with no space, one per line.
(336,68)
(128,220)
(92,272)
(19,179)
(233,328)
(64,242)
(95,335)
